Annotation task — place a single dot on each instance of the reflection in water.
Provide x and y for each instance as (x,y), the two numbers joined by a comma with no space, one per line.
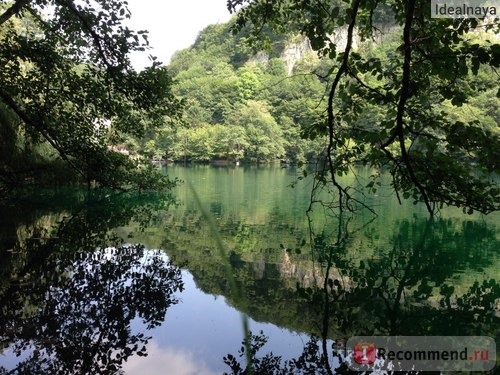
(76,297)
(406,288)
(69,292)
(179,362)
(397,285)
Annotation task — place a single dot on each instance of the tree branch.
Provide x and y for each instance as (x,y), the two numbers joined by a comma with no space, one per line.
(403,98)
(13,10)
(88,27)
(11,103)
(343,69)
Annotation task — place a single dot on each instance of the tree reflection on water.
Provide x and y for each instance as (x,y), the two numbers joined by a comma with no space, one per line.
(404,290)
(74,298)
(68,299)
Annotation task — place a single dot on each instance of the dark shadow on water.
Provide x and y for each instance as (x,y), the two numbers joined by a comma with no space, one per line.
(70,289)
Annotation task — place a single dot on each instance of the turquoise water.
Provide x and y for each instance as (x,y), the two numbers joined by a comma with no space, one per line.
(90,283)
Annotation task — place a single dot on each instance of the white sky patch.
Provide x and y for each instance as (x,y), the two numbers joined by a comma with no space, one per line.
(161,361)
(173,24)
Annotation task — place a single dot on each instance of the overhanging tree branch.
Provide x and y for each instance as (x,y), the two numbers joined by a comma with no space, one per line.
(332,142)
(403,98)
(12,10)
(89,29)
(11,103)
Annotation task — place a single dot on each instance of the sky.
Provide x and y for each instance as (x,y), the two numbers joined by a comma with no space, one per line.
(173,24)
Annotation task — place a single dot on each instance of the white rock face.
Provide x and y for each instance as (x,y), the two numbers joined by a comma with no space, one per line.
(261,57)
(339,38)
(294,51)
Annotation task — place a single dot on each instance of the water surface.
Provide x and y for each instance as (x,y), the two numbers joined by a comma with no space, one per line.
(105,283)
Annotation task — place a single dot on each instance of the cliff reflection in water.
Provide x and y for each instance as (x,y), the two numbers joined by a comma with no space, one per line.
(80,291)
(425,282)
(70,289)
(438,276)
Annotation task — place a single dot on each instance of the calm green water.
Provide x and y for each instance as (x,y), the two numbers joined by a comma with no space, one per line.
(92,283)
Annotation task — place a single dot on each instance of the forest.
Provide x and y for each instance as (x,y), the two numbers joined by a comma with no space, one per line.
(264,106)
(381,84)
(309,171)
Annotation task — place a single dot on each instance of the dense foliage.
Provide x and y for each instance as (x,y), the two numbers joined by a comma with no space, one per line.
(374,82)
(401,105)
(240,104)
(68,92)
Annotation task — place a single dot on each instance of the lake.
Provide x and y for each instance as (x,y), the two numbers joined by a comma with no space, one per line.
(104,283)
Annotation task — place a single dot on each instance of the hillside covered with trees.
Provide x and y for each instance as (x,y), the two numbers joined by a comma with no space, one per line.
(263,105)
(242,104)
(383,84)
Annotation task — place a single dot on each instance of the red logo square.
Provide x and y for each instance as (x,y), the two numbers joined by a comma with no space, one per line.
(365,353)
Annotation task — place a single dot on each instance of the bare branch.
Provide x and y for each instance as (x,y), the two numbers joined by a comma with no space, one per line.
(343,69)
